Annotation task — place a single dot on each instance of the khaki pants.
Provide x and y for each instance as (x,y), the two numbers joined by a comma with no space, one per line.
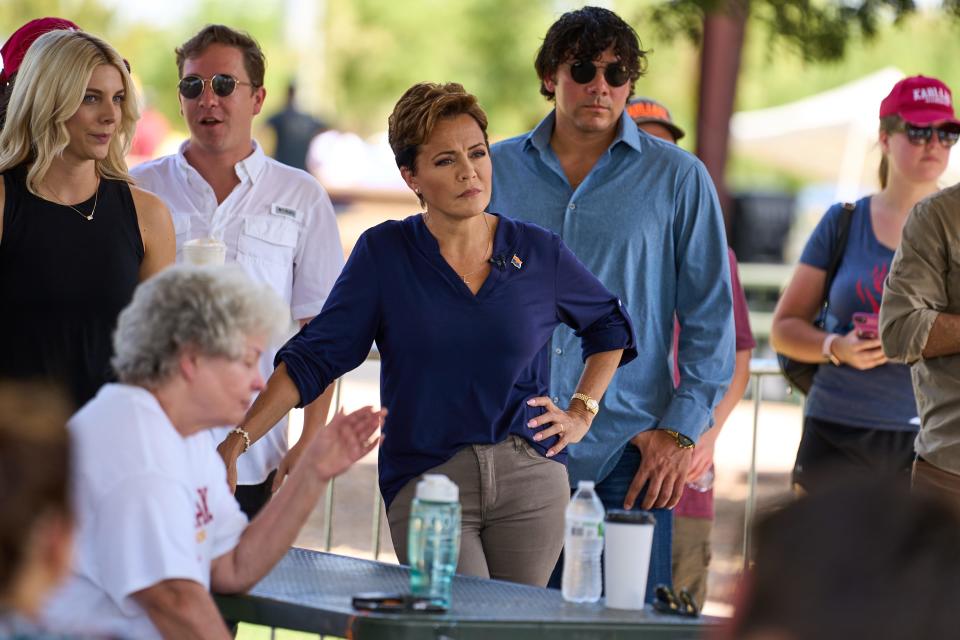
(934,480)
(691,555)
(513,502)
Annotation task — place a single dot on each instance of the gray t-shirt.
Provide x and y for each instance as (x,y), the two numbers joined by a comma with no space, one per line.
(878,398)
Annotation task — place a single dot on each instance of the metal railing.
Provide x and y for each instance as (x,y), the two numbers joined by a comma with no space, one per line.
(759,369)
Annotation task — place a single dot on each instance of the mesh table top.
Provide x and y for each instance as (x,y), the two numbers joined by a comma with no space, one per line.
(312,591)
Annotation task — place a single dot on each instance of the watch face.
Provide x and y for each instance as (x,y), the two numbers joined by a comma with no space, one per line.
(684,441)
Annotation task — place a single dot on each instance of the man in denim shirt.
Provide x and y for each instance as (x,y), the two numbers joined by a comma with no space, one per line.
(643,216)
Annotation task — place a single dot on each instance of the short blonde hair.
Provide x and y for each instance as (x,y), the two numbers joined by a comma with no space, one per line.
(49,90)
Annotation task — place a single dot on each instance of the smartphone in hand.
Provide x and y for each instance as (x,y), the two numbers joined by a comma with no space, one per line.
(866,325)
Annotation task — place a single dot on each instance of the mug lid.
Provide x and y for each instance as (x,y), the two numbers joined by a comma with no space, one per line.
(620,516)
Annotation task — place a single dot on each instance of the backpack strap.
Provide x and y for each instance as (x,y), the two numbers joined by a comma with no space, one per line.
(843,232)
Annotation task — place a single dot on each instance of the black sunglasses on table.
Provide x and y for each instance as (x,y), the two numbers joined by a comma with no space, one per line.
(947,135)
(584,71)
(223,85)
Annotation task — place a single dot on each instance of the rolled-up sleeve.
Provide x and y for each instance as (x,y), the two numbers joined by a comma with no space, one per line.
(704,307)
(915,292)
(594,313)
(339,338)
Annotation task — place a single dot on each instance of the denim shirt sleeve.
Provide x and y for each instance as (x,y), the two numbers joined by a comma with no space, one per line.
(594,313)
(339,338)
(704,307)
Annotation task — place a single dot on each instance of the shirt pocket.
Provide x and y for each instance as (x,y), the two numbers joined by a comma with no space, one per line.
(266,248)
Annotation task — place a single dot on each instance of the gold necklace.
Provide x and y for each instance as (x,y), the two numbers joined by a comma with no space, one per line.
(489,250)
(96,198)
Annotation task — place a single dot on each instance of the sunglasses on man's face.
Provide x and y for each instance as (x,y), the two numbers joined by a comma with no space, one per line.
(922,135)
(222,84)
(584,71)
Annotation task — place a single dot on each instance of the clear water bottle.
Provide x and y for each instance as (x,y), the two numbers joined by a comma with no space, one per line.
(704,483)
(433,541)
(583,544)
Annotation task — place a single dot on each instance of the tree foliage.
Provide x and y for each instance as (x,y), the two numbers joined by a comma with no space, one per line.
(815,30)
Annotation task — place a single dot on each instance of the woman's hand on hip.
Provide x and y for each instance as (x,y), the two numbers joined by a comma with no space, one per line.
(859,353)
(570,426)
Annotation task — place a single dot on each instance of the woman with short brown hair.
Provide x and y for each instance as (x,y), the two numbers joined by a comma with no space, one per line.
(462,304)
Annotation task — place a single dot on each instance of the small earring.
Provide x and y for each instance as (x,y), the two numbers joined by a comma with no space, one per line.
(416,190)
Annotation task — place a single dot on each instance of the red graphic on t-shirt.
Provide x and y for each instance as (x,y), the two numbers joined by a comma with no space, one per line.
(872,292)
(203,512)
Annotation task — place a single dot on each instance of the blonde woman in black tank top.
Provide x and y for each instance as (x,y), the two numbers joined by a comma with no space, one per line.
(75,236)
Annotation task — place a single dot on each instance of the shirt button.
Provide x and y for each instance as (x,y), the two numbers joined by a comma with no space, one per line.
(558,351)
(571,206)
(556,399)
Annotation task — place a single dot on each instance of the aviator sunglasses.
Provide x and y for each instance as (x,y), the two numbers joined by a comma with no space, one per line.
(584,71)
(919,136)
(222,84)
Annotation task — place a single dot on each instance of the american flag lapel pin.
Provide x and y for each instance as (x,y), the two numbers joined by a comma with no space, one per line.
(516,261)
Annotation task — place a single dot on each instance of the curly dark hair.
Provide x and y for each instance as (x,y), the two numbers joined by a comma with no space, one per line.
(583,35)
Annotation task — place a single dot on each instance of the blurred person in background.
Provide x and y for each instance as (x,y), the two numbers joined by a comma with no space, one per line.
(15,48)
(277,222)
(462,303)
(861,414)
(157,527)
(643,216)
(36,519)
(693,515)
(76,236)
(293,132)
(920,326)
(860,559)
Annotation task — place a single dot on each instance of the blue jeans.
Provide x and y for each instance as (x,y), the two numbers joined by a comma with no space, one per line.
(611,492)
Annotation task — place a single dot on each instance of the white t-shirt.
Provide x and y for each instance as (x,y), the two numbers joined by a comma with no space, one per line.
(150,504)
(279,224)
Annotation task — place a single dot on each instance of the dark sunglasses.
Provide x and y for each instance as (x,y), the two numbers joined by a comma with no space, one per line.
(922,135)
(222,84)
(584,71)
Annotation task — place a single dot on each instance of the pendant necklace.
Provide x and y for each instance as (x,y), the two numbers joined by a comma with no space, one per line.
(86,216)
(465,276)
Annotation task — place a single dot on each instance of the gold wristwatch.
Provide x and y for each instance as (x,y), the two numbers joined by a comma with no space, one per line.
(682,441)
(592,405)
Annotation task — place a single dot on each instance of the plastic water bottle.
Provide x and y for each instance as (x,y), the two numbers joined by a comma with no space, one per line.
(433,541)
(704,483)
(583,545)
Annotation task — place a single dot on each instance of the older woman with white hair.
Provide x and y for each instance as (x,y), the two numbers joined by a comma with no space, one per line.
(157,525)
(75,236)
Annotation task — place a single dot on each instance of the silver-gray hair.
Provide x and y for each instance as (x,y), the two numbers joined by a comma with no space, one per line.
(212,309)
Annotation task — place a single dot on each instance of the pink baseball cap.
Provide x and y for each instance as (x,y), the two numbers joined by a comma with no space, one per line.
(17,44)
(920,100)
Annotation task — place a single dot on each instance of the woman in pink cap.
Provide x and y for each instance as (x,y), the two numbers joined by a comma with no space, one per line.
(860,413)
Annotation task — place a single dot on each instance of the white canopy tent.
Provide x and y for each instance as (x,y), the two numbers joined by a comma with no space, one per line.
(830,136)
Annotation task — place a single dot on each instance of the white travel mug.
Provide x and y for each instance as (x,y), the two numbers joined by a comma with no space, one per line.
(202,252)
(626,557)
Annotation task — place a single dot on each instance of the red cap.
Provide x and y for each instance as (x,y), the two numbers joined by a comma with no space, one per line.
(920,100)
(17,44)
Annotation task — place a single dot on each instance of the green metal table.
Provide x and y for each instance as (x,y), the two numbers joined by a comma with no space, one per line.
(312,591)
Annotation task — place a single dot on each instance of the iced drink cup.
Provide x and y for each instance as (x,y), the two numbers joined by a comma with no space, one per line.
(203,252)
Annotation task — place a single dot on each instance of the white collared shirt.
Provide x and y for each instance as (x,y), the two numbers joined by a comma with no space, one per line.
(279,224)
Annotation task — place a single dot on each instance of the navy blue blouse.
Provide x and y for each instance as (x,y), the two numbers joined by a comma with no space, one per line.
(456,368)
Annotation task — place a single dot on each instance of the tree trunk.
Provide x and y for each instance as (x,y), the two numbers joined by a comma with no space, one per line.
(723,34)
